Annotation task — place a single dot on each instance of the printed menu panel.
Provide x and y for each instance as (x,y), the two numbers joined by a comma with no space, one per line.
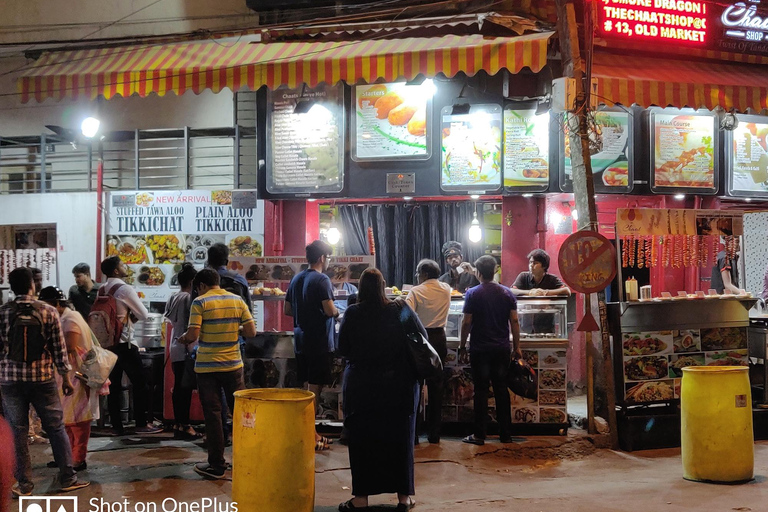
(306,150)
(550,404)
(471,149)
(526,149)
(273,269)
(653,361)
(748,157)
(154,233)
(392,122)
(683,151)
(609,150)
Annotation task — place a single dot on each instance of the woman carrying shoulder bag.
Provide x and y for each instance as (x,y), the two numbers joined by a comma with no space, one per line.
(380,395)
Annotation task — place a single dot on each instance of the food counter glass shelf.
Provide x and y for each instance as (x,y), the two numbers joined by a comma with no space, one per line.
(544,348)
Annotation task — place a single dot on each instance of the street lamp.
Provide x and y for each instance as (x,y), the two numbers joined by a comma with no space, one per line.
(90,127)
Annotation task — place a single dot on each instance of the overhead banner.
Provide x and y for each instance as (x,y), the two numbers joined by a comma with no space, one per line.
(663,222)
(155,232)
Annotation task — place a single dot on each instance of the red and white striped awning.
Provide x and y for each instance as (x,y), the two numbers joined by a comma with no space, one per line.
(215,65)
(667,82)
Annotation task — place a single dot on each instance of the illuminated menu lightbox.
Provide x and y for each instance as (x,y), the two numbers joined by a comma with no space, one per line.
(684,21)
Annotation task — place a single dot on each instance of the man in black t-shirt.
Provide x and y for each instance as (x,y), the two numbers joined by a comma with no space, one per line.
(460,275)
(538,282)
(83,293)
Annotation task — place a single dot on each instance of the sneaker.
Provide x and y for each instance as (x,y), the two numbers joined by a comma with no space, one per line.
(148,429)
(22,490)
(75,485)
(208,471)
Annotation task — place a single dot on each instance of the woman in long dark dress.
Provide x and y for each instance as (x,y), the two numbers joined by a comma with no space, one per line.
(380,395)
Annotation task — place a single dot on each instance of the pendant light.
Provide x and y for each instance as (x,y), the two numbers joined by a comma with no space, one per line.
(475,231)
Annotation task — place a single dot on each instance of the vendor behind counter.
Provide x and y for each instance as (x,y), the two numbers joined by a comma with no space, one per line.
(538,282)
(460,275)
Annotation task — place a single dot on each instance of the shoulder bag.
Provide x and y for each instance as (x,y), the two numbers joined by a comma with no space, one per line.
(422,356)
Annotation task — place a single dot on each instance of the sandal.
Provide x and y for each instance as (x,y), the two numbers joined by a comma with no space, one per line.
(348,506)
(325,440)
(320,446)
(403,507)
(471,439)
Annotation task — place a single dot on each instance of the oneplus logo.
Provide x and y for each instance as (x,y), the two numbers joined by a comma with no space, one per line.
(47,504)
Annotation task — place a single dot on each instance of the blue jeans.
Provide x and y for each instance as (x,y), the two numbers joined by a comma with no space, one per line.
(44,397)
(491,368)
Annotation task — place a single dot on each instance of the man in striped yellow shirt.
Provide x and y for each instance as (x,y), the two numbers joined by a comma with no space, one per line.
(214,321)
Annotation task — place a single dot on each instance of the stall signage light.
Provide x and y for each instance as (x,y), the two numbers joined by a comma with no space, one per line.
(684,21)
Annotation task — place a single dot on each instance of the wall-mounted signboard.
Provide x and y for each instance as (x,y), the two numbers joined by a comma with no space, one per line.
(733,26)
(746,157)
(155,232)
(682,148)
(526,150)
(610,144)
(471,146)
(305,153)
(392,122)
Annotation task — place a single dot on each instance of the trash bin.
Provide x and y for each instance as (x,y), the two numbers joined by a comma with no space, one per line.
(716,424)
(273,451)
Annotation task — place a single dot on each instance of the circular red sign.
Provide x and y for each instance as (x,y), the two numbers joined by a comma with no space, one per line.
(587,261)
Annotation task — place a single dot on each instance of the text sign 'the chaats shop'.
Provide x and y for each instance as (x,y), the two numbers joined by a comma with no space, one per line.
(740,27)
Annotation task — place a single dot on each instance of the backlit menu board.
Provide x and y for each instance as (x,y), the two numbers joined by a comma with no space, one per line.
(306,150)
(683,149)
(609,147)
(526,149)
(392,121)
(747,157)
(471,149)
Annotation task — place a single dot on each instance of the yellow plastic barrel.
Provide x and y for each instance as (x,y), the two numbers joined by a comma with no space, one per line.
(716,429)
(273,450)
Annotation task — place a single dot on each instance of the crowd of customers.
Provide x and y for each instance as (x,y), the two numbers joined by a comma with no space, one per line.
(210,317)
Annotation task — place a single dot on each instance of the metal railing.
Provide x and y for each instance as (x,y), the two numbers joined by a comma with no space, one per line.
(174,159)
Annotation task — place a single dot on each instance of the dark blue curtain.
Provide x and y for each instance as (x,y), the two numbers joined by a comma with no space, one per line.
(405,234)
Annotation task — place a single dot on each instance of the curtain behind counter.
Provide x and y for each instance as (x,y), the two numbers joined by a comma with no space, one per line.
(405,234)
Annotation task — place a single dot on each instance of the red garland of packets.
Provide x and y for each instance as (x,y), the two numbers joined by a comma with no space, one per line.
(677,251)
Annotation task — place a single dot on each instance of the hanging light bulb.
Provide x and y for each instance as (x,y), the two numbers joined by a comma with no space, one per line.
(575,214)
(475,231)
(333,235)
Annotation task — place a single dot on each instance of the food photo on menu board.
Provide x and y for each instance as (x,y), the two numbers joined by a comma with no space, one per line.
(471,148)
(609,148)
(526,148)
(748,158)
(391,121)
(683,150)
(307,146)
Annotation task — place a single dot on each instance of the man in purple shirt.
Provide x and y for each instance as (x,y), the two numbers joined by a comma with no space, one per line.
(490,313)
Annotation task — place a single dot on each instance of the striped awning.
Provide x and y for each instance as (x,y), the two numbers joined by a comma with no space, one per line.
(215,65)
(668,82)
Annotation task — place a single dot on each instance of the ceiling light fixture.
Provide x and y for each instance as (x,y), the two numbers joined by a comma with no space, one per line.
(475,231)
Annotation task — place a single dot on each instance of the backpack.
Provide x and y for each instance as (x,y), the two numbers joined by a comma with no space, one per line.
(26,338)
(227,282)
(103,319)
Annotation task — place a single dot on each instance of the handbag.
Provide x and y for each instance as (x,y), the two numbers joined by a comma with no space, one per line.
(422,356)
(98,364)
(522,380)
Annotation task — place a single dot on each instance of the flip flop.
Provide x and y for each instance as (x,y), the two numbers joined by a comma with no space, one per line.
(403,507)
(326,440)
(320,446)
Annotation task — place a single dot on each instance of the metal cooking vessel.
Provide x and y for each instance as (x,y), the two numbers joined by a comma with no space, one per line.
(148,333)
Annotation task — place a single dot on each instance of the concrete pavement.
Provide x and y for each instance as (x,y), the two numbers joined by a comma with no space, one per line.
(541,474)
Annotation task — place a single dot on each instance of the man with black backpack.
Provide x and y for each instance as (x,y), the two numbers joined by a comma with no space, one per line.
(111,319)
(31,345)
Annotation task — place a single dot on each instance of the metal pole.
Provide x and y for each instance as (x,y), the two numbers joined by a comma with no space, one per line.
(42,164)
(99,210)
(136,166)
(590,373)
(236,180)
(186,158)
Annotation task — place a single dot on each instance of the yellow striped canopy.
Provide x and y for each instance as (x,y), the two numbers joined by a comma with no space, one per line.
(214,65)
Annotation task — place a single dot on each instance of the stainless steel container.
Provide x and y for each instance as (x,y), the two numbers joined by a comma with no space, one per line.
(148,333)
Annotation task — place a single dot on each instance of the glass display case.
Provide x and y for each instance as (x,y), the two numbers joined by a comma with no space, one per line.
(542,318)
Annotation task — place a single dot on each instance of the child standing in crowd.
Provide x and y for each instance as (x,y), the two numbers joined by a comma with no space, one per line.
(82,406)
